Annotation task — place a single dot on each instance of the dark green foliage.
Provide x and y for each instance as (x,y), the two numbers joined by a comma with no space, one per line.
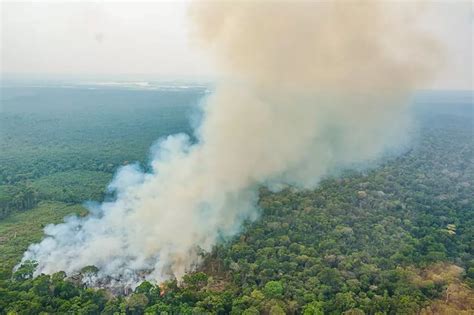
(72,186)
(273,290)
(17,197)
(195,280)
(25,271)
(351,246)
(49,130)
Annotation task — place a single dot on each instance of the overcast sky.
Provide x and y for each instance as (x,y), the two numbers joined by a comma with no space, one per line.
(70,37)
(154,39)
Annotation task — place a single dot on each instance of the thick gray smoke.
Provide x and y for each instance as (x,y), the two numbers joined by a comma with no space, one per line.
(309,87)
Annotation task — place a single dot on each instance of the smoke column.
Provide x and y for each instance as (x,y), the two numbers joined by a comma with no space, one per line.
(307,88)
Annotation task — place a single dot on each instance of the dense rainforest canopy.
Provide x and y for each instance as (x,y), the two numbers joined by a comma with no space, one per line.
(395,238)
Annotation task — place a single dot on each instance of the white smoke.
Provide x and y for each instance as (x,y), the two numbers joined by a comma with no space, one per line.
(310,87)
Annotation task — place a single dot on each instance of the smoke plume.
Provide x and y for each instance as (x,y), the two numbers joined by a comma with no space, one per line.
(307,88)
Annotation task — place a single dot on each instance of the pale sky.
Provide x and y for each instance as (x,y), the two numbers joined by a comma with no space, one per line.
(89,38)
(153,38)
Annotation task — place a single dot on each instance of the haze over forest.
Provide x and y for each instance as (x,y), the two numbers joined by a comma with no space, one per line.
(259,157)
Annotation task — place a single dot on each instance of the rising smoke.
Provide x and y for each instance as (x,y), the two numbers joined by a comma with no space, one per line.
(307,88)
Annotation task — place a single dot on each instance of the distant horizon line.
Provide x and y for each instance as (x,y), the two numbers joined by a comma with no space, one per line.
(144,78)
(122,76)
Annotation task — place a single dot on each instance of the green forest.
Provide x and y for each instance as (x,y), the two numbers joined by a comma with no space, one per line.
(395,238)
